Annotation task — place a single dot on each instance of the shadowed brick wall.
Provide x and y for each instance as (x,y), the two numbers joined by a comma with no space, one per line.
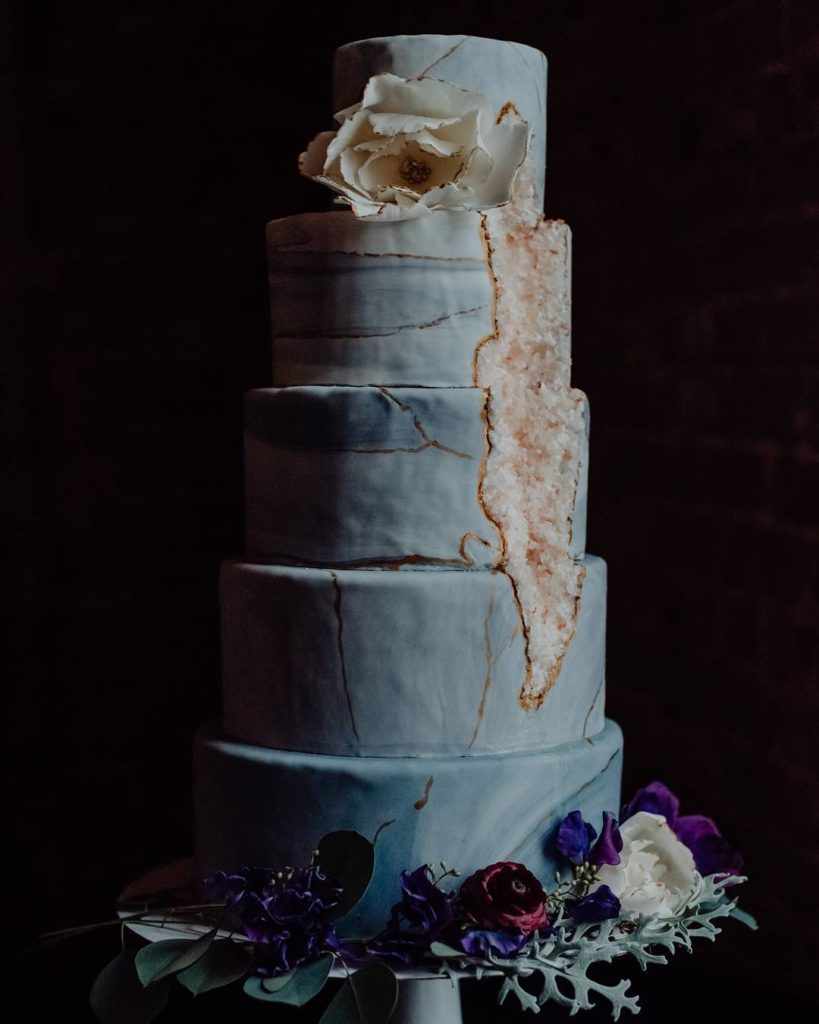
(150,143)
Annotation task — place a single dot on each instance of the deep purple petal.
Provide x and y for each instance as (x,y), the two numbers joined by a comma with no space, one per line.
(423,903)
(712,854)
(479,943)
(656,798)
(599,905)
(607,848)
(574,838)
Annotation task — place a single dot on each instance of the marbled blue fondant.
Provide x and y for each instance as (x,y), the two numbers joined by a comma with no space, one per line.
(399,303)
(378,662)
(505,72)
(346,476)
(269,807)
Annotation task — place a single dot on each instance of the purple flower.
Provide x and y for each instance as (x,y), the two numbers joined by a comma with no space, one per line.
(656,798)
(285,913)
(712,854)
(423,905)
(599,905)
(503,944)
(423,914)
(574,838)
(607,848)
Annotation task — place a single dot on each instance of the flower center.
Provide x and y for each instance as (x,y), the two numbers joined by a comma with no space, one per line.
(518,887)
(414,172)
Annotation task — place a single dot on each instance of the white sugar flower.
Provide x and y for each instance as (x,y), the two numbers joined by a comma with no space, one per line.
(656,871)
(416,145)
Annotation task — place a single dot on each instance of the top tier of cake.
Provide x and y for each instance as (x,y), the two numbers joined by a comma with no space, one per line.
(511,76)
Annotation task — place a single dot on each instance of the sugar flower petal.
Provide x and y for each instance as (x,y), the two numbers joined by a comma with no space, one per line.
(599,905)
(608,846)
(712,854)
(574,838)
(412,146)
(502,943)
(656,798)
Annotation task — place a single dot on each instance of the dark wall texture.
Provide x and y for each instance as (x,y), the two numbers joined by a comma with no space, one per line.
(149,143)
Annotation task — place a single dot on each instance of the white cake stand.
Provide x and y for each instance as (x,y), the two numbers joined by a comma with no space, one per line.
(423,997)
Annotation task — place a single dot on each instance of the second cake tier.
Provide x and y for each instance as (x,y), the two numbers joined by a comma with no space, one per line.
(397,663)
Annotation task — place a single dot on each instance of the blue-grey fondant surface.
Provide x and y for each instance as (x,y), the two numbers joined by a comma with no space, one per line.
(353,302)
(268,807)
(347,475)
(379,662)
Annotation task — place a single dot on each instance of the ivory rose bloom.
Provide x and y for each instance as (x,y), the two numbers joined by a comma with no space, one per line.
(656,871)
(416,145)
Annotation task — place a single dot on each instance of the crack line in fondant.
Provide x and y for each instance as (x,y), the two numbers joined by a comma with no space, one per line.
(377,255)
(419,805)
(430,442)
(465,561)
(443,57)
(340,642)
(490,660)
(591,708)
(377,335)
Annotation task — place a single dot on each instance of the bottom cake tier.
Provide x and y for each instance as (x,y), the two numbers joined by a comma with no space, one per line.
(256,806)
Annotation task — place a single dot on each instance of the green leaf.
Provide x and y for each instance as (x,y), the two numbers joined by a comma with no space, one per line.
(170,956)
(118,996)
(347,858)
(274,984)
(366,997)
(305,983)
(223,962)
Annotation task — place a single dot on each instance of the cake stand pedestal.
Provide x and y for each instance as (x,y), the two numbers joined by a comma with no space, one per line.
(429,1000)
(423,997)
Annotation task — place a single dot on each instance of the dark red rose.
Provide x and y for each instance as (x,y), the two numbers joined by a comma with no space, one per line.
(505,895)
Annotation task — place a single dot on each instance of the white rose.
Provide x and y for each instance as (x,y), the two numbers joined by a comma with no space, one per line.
(417,145)
(656,871)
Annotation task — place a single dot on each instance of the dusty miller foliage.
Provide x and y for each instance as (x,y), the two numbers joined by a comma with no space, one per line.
(556,967)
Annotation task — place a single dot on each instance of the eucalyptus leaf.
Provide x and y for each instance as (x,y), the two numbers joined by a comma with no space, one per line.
(440,949)
(170,956)
(367,997)
(225,961)
(347,858)
(118,996)
(280,980)
(305,983)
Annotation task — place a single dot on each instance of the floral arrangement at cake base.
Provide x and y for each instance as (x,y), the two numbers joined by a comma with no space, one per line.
(643,887)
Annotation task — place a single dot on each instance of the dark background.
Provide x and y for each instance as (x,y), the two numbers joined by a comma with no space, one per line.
(149,143)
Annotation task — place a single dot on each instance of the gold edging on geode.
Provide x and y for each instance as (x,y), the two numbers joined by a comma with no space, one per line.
(487,431)
(533,700)
(508,108)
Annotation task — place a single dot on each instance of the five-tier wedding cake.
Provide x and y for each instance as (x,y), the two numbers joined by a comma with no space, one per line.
(413,645)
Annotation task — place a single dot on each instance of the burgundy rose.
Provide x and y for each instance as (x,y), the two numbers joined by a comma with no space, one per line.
(505,895)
